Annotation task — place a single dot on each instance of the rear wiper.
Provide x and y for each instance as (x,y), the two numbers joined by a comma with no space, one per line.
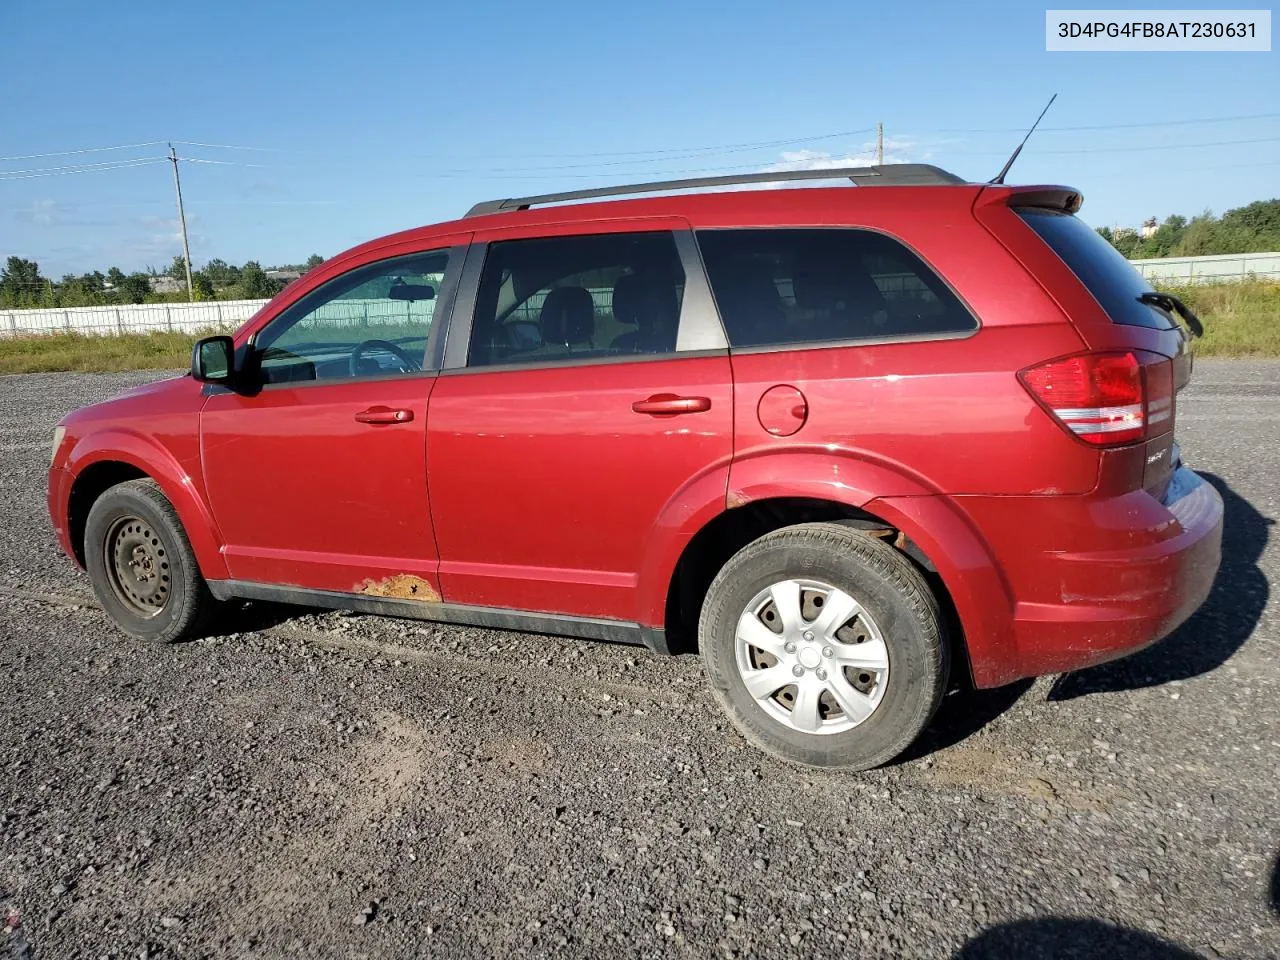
(1170,303)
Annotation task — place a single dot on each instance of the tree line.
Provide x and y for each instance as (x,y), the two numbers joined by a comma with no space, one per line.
(22,286)
(1251,229)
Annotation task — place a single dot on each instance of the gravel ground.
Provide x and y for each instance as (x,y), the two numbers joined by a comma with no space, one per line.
(340,785)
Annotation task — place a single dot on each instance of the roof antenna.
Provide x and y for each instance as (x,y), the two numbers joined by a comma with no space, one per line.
(999,177)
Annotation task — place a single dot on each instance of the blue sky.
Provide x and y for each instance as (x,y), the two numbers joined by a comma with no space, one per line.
(372,117)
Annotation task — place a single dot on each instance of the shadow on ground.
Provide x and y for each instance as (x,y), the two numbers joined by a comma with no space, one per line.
(248,616)
(964,711)
(1275,886)
(1216,631)
(1060,938)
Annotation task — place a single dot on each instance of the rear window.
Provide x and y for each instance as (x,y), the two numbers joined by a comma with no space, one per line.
(800,286)
(1104,271)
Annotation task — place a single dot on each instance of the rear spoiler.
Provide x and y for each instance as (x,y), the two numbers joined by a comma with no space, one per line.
(1048,197)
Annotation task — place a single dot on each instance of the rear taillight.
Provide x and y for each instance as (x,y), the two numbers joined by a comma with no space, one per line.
(1106,399)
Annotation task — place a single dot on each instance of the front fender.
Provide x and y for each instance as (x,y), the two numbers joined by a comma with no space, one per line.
(175,480)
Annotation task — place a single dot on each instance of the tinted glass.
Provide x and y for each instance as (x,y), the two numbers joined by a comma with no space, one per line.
(809,286)
(373,321)
(1112,280)
(569,298)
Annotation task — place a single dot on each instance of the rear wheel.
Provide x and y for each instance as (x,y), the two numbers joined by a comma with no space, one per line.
(824,646)
(141,565)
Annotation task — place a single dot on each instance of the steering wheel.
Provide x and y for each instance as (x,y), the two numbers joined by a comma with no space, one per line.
(407,363)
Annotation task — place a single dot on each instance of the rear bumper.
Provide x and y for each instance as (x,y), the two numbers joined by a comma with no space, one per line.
(1094,580)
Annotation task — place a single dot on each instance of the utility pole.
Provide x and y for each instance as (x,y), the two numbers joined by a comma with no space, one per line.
(182,219)
(879,144)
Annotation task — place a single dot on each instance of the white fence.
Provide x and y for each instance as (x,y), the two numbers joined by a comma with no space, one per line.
(1212,269)
(229,314)
(130,318)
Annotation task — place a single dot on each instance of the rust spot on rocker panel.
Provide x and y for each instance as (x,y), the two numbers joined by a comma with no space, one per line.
(403,586)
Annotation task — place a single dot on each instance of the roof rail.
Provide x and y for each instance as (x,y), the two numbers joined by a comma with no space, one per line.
(895,174)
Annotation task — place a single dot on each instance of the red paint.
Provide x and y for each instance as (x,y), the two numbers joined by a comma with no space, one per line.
(782,411)
(575,489)
(305,493)
(547,483)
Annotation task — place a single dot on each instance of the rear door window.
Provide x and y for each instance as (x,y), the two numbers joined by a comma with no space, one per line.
(1104,271)
(801,286)
(559,299)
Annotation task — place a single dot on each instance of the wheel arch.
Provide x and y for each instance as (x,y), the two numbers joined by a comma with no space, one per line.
(100,462)
(731,530)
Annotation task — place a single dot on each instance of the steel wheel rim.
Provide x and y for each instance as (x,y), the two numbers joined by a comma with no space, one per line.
(811,656)
(137,565)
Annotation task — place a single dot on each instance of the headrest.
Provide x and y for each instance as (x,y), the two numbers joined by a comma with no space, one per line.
(627,293)
(568,316)
(646,300)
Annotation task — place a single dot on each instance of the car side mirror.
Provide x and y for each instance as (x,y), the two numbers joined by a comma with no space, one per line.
(213,360)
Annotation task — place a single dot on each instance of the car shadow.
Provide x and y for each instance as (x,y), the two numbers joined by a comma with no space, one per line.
(963,712)
(1215,632)
(1275,886)
(249,616)
(1059,938)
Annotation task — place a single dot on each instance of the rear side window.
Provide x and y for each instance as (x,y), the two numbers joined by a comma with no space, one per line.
(558,299)
(797,286)
(1104,271)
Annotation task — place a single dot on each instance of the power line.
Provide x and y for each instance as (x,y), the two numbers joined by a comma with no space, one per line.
(222,146)
(694,151)
(105,165)
(67,171)
(1117,126)
(221,163)
(127,146)
(78,166)
(69,153)
(1141,149)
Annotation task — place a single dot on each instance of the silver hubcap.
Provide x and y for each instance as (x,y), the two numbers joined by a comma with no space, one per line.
(811,656)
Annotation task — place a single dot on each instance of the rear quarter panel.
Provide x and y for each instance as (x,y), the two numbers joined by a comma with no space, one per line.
(947,413)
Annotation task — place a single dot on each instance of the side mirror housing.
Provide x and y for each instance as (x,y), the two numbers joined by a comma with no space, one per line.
(213,360)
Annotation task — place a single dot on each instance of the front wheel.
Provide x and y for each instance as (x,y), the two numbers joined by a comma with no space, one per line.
(141,565)
(824,646)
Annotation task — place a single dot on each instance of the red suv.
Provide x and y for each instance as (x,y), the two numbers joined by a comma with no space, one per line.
(839,440)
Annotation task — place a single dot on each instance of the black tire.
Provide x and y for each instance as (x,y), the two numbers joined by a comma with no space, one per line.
(175,603)
(894,594)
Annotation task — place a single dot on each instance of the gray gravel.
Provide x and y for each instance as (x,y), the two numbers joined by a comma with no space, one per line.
(338,785)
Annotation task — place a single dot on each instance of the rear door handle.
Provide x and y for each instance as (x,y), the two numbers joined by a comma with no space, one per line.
(384,415)
(668,404)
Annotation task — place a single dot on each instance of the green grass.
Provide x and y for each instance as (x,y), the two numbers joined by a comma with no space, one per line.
(77,351)
(1240,320)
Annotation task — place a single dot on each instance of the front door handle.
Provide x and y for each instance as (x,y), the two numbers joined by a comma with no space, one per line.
(668,404)
(384,415)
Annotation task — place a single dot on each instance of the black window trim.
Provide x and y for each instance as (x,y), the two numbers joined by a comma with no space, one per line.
(851,341)
(699,332)
(446,298)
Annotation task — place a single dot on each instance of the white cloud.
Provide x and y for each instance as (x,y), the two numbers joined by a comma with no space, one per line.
(896,150)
